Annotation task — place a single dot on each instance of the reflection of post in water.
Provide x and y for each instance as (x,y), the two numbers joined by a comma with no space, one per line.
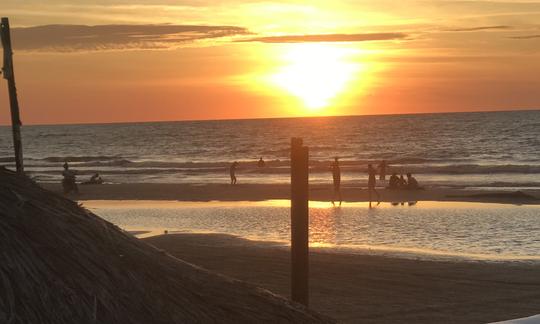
(299,221)
(9,75)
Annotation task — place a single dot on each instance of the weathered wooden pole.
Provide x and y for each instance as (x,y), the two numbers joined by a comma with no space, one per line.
(299,222)
(9,75)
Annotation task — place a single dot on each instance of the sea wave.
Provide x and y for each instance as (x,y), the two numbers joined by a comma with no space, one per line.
(476,169)
(79,158)
(282,167)
(413,165)
(7,159)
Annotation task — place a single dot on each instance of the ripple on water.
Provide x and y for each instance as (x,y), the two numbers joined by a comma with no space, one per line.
(463,230)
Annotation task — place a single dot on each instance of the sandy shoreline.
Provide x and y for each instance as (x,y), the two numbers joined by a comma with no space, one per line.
(373,289)
(258,192)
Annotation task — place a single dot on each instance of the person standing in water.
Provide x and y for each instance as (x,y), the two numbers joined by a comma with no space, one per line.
(261,163)
(382,168)
(336,175)
(232,172)
(371,184)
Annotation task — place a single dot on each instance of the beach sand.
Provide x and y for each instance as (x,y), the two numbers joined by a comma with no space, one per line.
(258,192)
(352,288)
(373,289)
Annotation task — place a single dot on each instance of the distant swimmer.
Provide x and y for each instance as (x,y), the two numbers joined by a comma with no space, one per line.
(336,175)
(393,183)
(69,181)
(232,172)
(371,184)
(382,168)
(412,183)
(261,163)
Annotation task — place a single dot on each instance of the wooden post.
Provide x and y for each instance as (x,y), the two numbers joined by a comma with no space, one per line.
(9,75)
(299,222)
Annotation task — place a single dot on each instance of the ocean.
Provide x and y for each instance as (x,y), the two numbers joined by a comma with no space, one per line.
(482,150)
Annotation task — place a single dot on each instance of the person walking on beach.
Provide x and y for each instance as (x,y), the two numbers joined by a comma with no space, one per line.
(371,184)
(382,168)
(232,172)
(336,175)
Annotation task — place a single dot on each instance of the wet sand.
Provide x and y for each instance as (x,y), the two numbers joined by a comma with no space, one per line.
(373,289)
(258,192)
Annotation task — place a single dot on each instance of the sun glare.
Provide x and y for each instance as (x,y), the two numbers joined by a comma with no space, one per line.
(316,73)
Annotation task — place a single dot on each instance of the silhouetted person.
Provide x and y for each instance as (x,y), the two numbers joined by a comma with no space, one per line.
(393,183)
(382,168)
(69,182)
(402,182)
(371,184)
(261,163)
(336,175)
(411,182)
(232,172)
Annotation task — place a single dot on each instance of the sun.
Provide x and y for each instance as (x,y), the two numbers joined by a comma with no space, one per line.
(315,73)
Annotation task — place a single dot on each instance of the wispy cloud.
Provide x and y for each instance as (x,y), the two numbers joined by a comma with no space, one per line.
(525,37)
(327,38)
(69,38)
(478,28)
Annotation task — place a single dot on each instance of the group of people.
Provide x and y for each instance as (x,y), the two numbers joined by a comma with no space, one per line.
(69,181)
(70,185)
(395,182)
(400,182)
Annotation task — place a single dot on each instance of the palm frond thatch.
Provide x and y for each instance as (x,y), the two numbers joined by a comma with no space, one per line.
(59,263)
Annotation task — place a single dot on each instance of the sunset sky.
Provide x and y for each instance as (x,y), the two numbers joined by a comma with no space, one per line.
(153,60)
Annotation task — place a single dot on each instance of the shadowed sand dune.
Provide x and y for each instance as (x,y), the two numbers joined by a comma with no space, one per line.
(59,263)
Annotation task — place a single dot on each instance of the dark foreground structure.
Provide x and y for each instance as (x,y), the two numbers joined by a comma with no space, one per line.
(59,263)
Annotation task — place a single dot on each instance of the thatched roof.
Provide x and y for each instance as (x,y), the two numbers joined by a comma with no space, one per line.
(59,263)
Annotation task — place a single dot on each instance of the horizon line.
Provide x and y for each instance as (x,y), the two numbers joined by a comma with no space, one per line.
(270,118)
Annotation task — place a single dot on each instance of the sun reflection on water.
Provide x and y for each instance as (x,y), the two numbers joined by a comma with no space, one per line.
(442,229)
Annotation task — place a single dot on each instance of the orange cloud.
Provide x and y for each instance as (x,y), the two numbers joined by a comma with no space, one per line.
(327,38)
(69,38)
